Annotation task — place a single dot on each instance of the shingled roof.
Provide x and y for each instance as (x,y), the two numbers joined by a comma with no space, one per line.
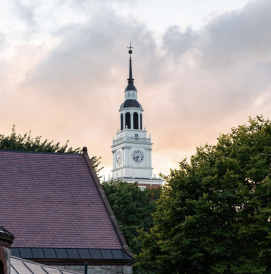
(51,200)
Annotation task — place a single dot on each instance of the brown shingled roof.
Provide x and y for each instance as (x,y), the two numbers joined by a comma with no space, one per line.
(53,200)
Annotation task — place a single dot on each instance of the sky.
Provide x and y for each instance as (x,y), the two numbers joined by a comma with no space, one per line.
(200,67)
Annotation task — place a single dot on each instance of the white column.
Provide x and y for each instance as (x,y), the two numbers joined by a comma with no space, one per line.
(128,156)
(150,149)
(147,157)
(114,159)
(124,157)
(132,120)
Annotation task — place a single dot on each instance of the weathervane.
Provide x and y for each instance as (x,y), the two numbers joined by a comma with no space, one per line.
(130,49)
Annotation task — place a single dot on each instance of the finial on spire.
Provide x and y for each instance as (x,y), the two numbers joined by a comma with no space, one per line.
(130,79)
(130,49)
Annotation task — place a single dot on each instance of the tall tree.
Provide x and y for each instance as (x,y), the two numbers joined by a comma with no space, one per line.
(27,143)
(133,209)
(214,215)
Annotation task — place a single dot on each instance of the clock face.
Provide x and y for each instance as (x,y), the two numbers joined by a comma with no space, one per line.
(119,157)
(138,156)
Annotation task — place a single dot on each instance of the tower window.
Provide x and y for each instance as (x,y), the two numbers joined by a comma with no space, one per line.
(135,120)
(128,120)
(141,121)
(121,122)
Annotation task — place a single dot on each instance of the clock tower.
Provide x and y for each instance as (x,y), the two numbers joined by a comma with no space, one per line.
(132,148)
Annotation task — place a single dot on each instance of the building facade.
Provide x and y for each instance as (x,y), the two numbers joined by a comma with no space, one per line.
(132,148)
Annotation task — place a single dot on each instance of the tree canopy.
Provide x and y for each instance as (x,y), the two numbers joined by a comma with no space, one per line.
(27,143)
(133,209)
(214,214)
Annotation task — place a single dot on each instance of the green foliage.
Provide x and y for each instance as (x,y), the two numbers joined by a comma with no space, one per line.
(132,208)
(214,214)
(96,161)
(27,143)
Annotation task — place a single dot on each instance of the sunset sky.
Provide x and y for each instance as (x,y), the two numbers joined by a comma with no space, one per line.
(200,67)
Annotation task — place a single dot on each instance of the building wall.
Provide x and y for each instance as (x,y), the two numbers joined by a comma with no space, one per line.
(148,186)
(151,183)
(128,167)
(128,141)
(100,269)
(5,259)
(8,253)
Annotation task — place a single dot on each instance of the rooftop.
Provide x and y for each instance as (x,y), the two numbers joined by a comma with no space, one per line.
(21,266)
(50,200)
(130,103)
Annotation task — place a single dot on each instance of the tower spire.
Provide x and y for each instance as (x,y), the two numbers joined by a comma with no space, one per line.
(130,79)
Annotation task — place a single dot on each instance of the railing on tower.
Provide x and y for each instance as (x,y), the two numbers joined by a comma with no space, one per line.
(131,139)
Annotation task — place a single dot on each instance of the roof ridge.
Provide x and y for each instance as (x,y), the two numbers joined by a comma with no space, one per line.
(108,208)
(38,152)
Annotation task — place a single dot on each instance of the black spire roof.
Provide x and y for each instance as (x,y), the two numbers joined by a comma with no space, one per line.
(130,103)
(130,79)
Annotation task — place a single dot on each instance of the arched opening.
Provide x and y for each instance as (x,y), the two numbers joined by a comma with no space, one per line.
(121,122)
(135,120)
(141,121)
(128,120)
(1,268)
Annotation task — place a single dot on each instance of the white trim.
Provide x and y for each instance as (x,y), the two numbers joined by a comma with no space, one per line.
(143,181)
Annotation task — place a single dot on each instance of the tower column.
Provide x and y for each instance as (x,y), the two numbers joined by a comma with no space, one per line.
(114,159)
(132,120)
(147,157)
(150,157)
(125,156)
(128,156)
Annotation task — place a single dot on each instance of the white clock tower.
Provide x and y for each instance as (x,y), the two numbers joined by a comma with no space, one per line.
(132,149)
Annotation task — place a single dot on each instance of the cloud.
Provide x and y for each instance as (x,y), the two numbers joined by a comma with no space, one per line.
(69,83)
(235,36)
(216,75)
(177,42)
(26,12)
(73,83)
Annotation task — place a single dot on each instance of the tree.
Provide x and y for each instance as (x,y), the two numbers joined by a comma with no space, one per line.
(133,209)
(214,214)
(27,143)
